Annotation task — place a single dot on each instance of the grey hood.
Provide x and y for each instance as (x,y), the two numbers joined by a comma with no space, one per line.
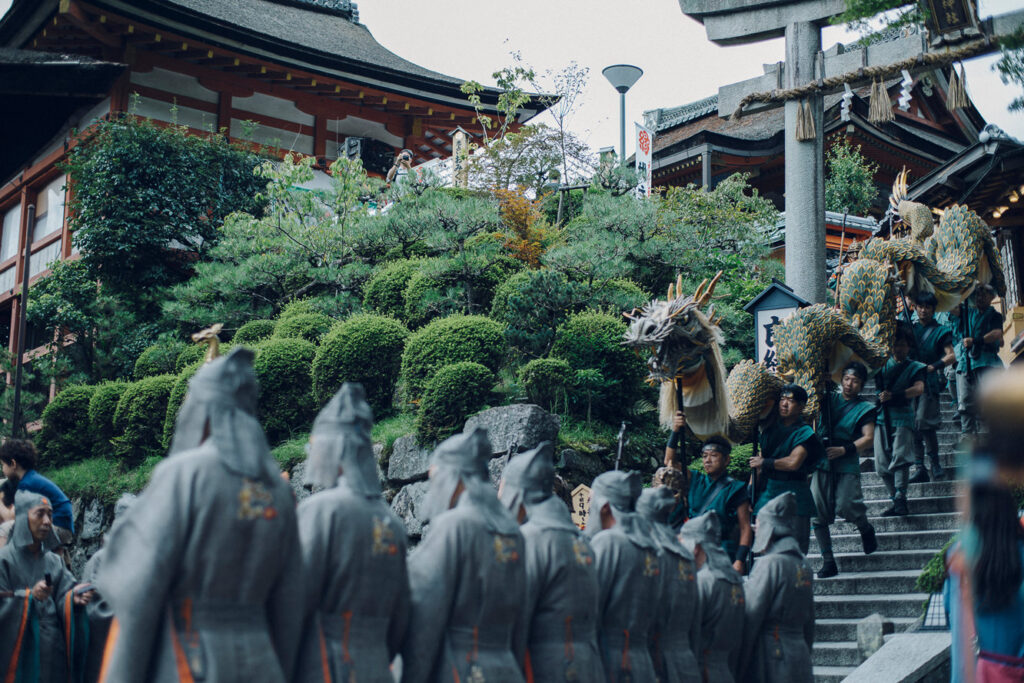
(775,526)
(222,396)
(341,439)
(706,530)
(529,480)
(620,490)
(21,535)
(655,505)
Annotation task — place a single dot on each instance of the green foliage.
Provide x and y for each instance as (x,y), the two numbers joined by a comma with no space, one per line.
(366,349)
(617,296)
(291,452)
(512,81)
(933,574)
(849,179)
(175,400)
(308,326)
(159,359)
(388,430)
(547,382)
(65,425)
(139,419)
(102,479)
(384,292)
(593,341)
(452,394)
(254,331)
(508,287)
(537,308)
(895,14)
(529,157)
(450,340)
(284,370)
(102,408)
(139,187)
(1011,65)
(190,355)
(301,306)
(305,245)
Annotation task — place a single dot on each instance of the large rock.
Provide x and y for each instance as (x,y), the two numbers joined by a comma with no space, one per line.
(94,523)
(521,426)
(579,466)
(408,504)
(409,461)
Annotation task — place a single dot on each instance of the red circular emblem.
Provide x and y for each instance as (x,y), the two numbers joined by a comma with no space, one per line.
(644,142)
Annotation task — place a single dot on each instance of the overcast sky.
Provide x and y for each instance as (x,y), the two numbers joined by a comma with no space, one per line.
(470,39)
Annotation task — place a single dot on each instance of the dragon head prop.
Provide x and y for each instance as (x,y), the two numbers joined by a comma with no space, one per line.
(915,215)
(681,339)
(675,333)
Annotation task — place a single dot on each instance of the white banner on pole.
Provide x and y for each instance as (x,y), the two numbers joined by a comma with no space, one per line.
(644,151)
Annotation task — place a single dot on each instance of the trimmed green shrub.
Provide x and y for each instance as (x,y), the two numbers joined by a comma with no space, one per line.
(158,359)
(175,400)
(452,394)
(139,419)
(284,370)
(297,307)
(618,295)
(191,354)
(593,341)
(451,340)
(65,424)
(547,382)
(308,326)
(254,331)
(439,289)
(499,304)
(365,348)
(384,292)
(102,407)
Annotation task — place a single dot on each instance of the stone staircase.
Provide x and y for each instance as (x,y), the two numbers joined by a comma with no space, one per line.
(882,582)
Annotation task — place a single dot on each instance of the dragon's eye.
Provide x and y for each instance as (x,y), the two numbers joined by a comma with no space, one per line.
(650,329)
(685,318)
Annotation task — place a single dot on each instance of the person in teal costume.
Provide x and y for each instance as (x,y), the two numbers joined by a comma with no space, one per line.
(715,490)
(977,354)
(849,427)
(899,382)
(934,348)
(789,452)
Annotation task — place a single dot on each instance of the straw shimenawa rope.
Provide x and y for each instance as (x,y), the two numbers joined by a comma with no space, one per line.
(870,73)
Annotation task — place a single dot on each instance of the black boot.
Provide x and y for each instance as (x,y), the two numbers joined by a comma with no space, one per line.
(868,539)
(828,569)
(938,472)
(899,506)
(920,475)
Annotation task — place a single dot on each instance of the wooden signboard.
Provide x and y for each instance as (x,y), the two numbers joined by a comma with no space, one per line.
(580,505)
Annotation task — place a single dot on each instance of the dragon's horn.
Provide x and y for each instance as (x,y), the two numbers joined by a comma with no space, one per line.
(704,296)
(899,189)
(700,291)
(669,296)
(679,284)
(711,312)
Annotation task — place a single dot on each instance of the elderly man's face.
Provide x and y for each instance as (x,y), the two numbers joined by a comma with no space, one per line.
(40,522)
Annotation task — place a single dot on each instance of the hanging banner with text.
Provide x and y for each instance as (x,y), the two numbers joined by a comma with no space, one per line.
(644,149)
(767,321)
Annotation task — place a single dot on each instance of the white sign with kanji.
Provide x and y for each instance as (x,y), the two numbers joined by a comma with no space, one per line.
(644,151)
(580,505)
(767,322)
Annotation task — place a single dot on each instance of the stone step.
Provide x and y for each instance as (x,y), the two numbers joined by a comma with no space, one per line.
(832,674)
(925,489)
(866,583)
(833,630)
(893,560)
(860,606)
(900,540)
(836,653)
(944,521)
(918,505)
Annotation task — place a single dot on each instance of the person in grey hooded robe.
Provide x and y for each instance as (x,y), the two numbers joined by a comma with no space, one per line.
(467,577)
(558,638)
(98,610)
(353,549)
(721,599)
(628,576)
(204,574)
(43,592)
(779,631)
(677,627)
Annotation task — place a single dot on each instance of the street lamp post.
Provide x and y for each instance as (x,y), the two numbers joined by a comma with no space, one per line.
(622,77)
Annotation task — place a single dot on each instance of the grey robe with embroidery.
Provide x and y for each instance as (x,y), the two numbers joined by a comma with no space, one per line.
(468,586)
(357,589)
(629,585)
(722,617)
(779,631)
(100,616)
(21,569)
(561,602)
(205,573)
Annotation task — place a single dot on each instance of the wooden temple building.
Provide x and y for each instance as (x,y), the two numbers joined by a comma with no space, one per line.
(291,75)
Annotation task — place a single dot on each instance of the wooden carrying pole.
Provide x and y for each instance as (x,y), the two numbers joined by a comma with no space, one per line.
(22,311)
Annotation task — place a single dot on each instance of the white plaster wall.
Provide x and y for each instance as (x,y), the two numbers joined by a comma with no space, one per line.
(177,83)
(275,137)
(279,108)
(362,128)
(185,116)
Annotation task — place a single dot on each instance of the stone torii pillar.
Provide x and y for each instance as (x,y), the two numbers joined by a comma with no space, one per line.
(736,22)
